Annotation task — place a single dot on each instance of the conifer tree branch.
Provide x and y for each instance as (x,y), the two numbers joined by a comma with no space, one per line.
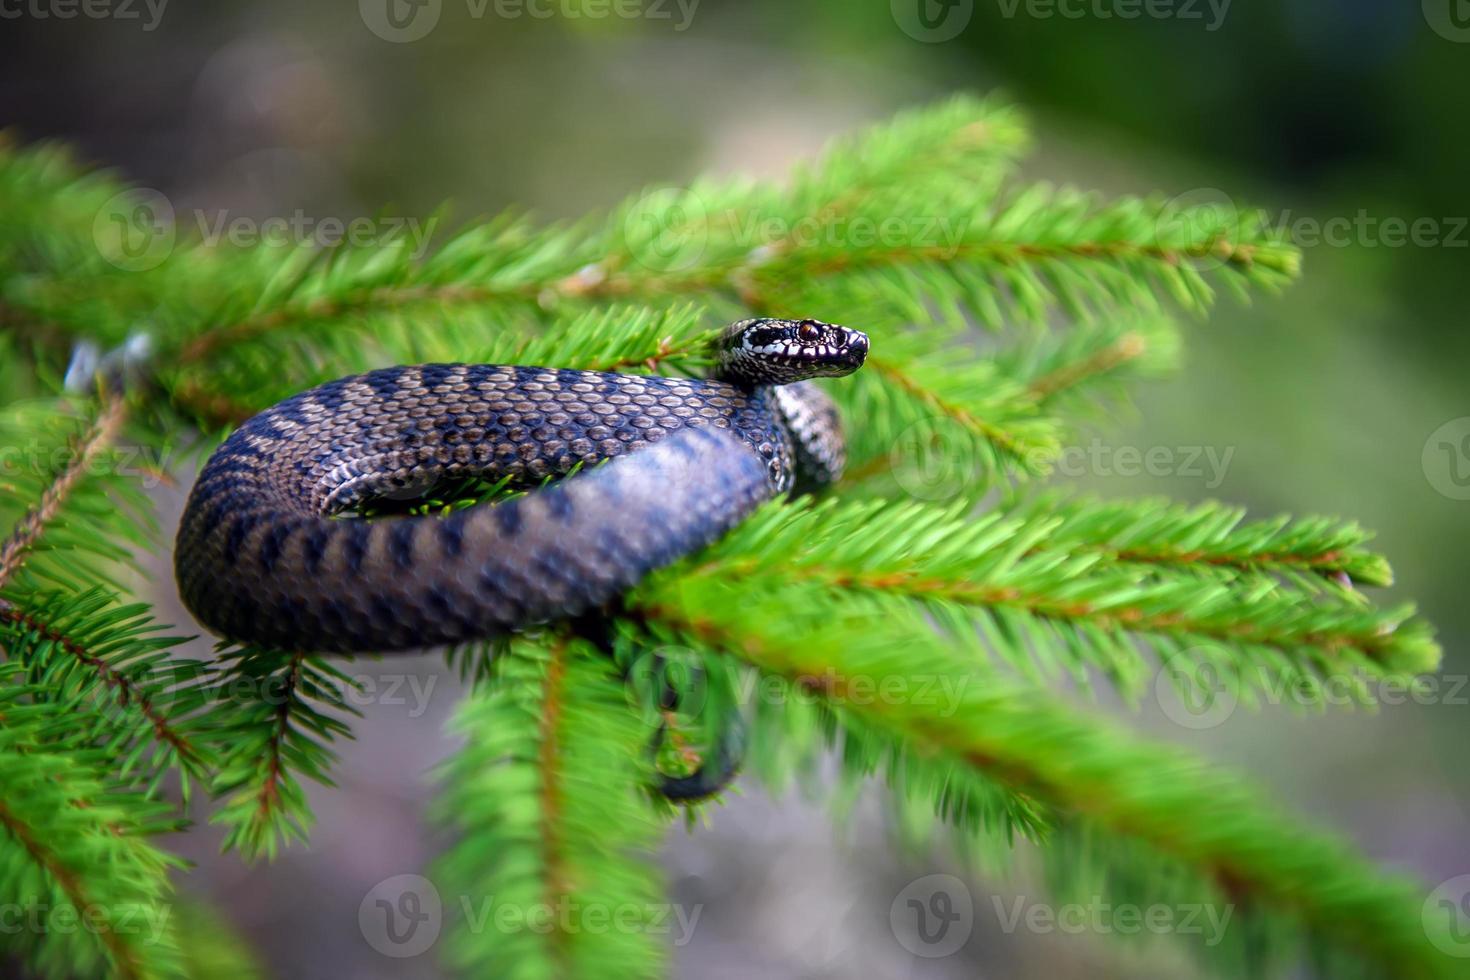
(912,223)
(1010,577)
(547,795)
(1374,641)
(268,793)
(1129,347)
(1179,807)
(127,693)
(98,512)
(553,695)
(276,715)
(329,308)
(1308,551)
(73,848)
(1008,443)
(23,537)
(123,957)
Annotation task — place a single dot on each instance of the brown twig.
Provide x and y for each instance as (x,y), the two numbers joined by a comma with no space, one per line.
(127,692)
(123,958)
(1126,348)
(28,529)
(552,706)
(270,791)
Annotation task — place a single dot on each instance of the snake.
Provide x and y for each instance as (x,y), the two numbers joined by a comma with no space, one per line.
(622,474)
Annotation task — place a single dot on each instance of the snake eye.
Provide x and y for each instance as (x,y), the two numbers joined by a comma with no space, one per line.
(809,332)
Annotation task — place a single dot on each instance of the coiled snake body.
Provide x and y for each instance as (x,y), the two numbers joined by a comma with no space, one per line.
(262,557)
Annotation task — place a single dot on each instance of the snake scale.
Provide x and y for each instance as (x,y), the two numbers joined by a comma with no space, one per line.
(268,553)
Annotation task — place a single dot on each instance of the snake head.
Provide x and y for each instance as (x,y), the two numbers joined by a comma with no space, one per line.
(776,352)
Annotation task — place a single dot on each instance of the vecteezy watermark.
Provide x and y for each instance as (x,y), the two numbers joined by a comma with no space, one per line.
(935,461)
(677,675)
(403,21)
(134,230)
(1367,230)
(300,228)
(569,916)
(41,917)
(932,21)
(403,916)
(1205,222)
(1194,691)
(1211,13)
(670,229)
(1446,917)
(1450,19)
(942,693)
(667,229)
(146,13)
(273,690)
(1097,916)
(1446,458)
(144,465)
(356,690)
(932,916)
(137,230)
(1208,464)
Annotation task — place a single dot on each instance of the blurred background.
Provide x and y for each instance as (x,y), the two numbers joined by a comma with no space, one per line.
(1345,119)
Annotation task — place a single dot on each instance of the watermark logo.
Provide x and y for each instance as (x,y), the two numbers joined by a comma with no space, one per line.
(1207,464)
(1205,222)
(1197,693)
(667,229)
(933,462)
(137,230)
(933,916)
(148,12)
(1450,19)
(932,21)
(671,229)
(400,21)
(1193,693)
(1199,221)
(1446,459)
(40,917)
(1446,917)
(401,916)
(669,678)
(1211,13)
(571,917)
(1097,916)
(134,230)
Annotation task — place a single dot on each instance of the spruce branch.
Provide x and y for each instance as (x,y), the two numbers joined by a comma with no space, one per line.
(73,848)
(277,715)
(117,679)
(1311,553)
(73,511)
(1176,806)
(28,529)
(1061,366)
(819,609)
(1017,587)
(548,797)
(774,251)
(103,660)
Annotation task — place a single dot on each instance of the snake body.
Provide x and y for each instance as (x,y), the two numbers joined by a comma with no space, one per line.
(266,554)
